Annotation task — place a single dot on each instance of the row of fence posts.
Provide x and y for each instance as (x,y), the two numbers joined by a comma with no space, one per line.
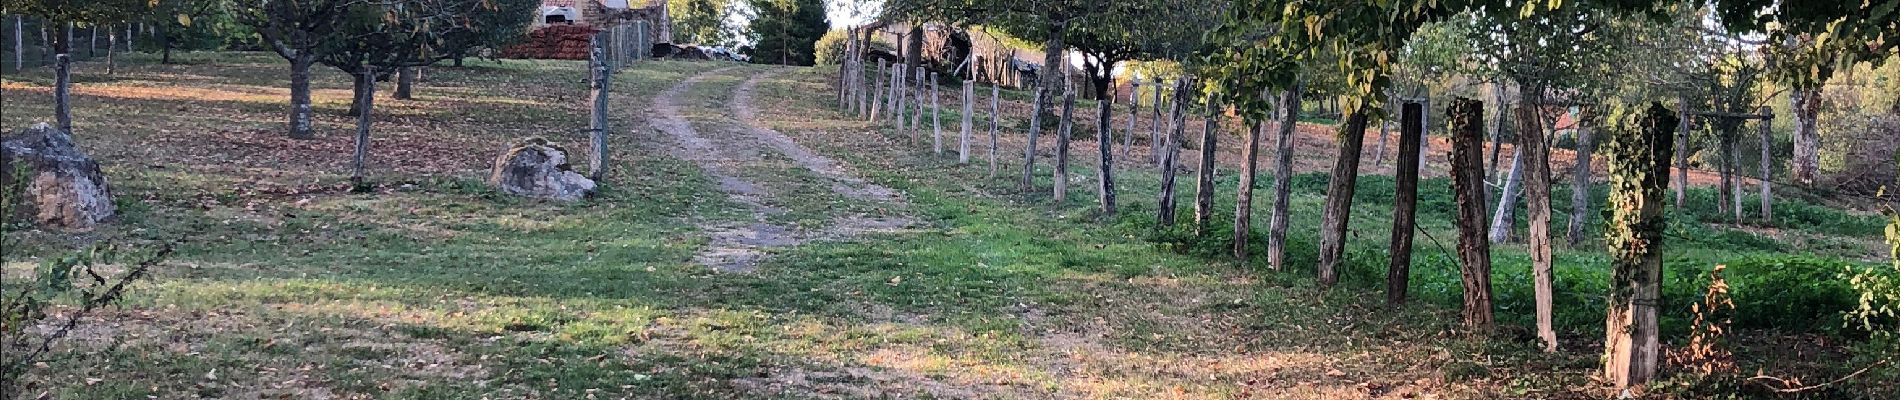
(897,96)
(614,48)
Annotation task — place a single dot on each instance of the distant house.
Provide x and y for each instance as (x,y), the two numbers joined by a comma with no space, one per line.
(563,29)
(602,13)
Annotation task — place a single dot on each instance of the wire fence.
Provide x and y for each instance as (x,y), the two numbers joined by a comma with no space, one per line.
(626,43)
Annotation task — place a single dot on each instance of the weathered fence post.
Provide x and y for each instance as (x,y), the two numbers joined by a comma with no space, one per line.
(597,126)
(364,104)
(963,138)
(917,115)
(936,116)
(1063,133)
(1467,184)
(1134,114)
(995,115)
(1405,203)
(1767,164)
(62,92)
(877,92)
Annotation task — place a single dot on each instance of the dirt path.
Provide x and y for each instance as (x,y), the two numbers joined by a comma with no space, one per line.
(738,246)
(843,182)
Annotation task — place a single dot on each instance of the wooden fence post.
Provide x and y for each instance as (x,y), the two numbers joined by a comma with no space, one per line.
(995,115)
(365,103)
(917,115)
(877,92)
(598,121)
(963,138)
(1767,170)
(62,92)
(936,116)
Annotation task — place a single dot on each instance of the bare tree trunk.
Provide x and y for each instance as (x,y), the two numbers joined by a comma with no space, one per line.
(300,110)
(1505,219)
(1029,150)
(1398,273)
(1289,113)
(1639,161)
(1243,197)
(405,84)
(1345,179)
(1580,176)
(1385,130)
(92,44)
(1806,104)
(1105,185)
(936,116)
(366,101)
(1682,152)
(1767,166)
(1537,199)
(1060,180)
(1170,156)
(1204,176)
(969,106)
(1051,65)
(1467,172)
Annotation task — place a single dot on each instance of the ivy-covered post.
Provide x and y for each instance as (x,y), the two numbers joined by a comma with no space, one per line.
(1639,173)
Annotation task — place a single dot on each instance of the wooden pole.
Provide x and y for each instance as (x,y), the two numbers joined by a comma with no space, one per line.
(602,77)
(1134,114)
(1105,143)
(365,103)
(1204,176)
(1060,179)
(963,138)
(1682,151)
(62,92)
(1405,202)
(936,116)
(917,115)
(1288,111)
(877,95)
(995,114)
(1468,176)
(1632,344)
(1767,165)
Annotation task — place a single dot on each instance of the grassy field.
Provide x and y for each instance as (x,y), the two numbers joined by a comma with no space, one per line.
(286,285)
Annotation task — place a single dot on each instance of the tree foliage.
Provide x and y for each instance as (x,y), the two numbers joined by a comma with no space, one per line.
(784,31)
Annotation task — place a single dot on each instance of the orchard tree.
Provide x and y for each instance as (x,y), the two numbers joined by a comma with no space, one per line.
(298,30)
(1807,41)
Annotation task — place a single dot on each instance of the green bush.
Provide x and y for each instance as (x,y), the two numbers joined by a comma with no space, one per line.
(1789,292)
(830,47)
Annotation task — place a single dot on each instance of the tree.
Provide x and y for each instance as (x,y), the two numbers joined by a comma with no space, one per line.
(296,30)
(1639,171)
(1806,43)
(784,31)
(702,21)
(499,24)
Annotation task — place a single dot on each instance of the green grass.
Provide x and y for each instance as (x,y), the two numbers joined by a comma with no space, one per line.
(437,287)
